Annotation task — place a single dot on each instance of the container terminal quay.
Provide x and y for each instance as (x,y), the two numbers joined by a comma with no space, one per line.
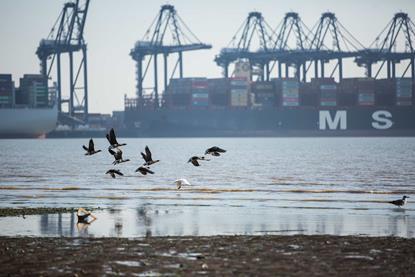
(285,80)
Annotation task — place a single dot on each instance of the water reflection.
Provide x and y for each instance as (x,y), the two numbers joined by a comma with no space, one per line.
(57,224)
(147,221)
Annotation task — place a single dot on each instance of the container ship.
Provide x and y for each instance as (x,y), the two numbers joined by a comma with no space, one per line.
(279,107)
(29,110)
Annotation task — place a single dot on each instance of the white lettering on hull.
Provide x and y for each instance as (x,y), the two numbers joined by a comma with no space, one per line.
(325,120)
(382,120)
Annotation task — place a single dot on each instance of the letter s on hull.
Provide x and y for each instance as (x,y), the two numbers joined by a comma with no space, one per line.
(382,120)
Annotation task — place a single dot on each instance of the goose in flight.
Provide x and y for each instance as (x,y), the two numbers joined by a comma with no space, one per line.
(147,157)
(144,170)
(90,150)
(112,139)
(112,172)
(117,156)
(214,151)
(194,160)
(399,202)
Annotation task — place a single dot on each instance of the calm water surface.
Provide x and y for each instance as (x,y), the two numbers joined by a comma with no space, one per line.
(261,185)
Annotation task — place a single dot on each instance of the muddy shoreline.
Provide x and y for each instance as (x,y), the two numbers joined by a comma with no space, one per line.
(37,211)
(218,255)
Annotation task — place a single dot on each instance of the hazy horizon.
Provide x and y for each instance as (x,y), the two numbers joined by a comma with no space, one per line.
(112,28)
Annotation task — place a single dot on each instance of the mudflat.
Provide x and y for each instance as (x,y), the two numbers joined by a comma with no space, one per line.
(32,211)
(267,255)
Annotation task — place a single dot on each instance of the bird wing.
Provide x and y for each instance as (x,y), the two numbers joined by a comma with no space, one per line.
(144,156)
(149,171)
(112,174)
(217,149)
(91,145)
(85,148)
(182,182)
(108,138)
(141,170)
(396,202)
(113,138)
(195,162)
(118,172)
(221,150)
(112,152)
(148,153)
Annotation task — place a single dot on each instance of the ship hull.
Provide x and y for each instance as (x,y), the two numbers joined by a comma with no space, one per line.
(297,121)
(27,123)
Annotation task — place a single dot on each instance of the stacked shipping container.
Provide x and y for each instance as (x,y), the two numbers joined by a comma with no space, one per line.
(200,93)
(347,93)
(34,90)
(366,91)
(309,95)
(384,92)
(403,92)
(328,95)
(327,91)
(187,91)
(218,92)
(239,91)
(6,90)
(264,94)
(289,90)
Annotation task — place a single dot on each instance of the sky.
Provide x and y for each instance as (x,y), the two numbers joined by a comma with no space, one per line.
(113,27)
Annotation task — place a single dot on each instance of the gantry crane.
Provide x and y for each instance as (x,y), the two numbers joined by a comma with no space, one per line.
(242,45)
(290,45)
(389,53)
(293,44)
(66,37)
(342,45)
(155,43)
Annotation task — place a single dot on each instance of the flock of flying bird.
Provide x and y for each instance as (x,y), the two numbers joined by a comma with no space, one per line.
(115,151)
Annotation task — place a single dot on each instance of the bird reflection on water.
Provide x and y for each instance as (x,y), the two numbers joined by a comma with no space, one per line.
(146,221)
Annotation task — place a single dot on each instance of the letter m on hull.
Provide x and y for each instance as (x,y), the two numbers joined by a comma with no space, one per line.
(339,121)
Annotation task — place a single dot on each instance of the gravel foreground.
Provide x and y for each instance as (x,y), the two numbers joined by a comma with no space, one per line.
(213,256)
